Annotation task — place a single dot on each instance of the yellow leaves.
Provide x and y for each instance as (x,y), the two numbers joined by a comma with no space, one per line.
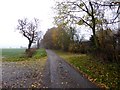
(98,21)
(21,85)
(81,5)
(107,74)
(102,85)
(80,22)
(33,86)
(62,83)
(78,68)
(66,82)
(54,36)
(44,87)
(91,79)
(36,85)
(41,75)
(94,79)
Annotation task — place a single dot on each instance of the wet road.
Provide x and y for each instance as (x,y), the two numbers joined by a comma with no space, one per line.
(53,73)
(60,74)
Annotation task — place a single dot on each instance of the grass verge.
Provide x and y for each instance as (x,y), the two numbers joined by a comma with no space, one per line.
(40,53)
(105,75)
(15,55)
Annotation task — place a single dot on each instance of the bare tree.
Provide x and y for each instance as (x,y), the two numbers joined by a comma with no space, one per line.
(28,29)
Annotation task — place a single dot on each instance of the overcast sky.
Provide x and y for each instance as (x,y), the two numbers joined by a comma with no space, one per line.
(12,10)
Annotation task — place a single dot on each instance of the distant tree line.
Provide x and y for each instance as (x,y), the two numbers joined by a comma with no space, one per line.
(60,38)
(66,38)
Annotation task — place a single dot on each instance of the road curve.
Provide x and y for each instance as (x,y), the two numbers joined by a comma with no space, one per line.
(60,74)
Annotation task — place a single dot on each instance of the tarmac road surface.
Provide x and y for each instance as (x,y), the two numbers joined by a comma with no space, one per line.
(62,75)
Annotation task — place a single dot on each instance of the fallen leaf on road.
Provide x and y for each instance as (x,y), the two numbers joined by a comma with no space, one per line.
(61,82)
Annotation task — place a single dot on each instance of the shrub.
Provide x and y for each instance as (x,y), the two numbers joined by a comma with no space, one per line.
(74,47)
(40,53)
(30,52)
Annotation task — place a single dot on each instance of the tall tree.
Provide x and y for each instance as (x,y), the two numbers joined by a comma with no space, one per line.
(57,38)
(48,39)
(28,29)
(69,9)
(82,12)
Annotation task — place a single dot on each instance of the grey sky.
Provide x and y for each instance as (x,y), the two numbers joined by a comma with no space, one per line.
(12,10)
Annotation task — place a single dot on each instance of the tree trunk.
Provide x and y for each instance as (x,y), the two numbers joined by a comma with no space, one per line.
(29,45)
(94,34)
(95,39)
(94,25)
(38,44)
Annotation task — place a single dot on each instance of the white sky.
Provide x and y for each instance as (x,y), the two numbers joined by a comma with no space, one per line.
(12,10)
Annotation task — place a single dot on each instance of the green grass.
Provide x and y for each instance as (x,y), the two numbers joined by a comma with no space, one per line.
(106,75)
(14,55)
(12,52)
(40,53)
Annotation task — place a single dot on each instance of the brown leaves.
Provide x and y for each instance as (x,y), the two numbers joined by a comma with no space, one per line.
(23,74)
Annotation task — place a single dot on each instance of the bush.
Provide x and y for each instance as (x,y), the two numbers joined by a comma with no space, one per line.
(74,47)
(40,53)
(78,48)
(29,52)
